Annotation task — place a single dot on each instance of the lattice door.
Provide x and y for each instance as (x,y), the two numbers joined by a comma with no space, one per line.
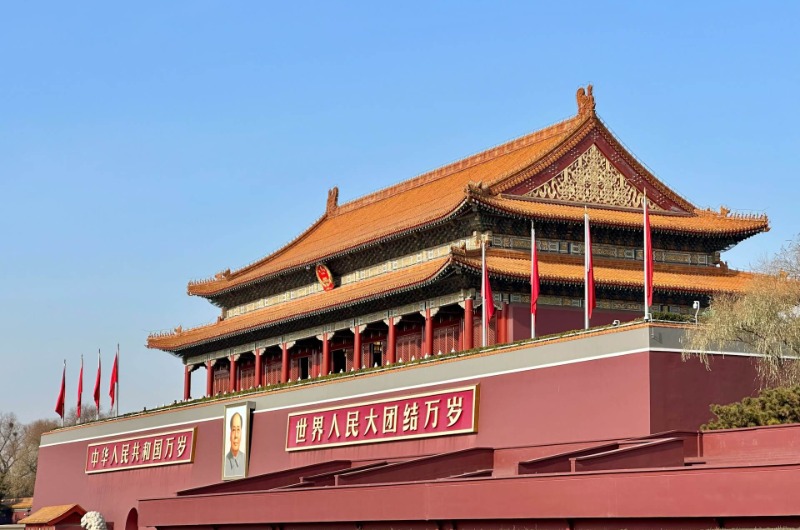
(222,380)
(247,375)
(409,346)
(445,339)
(477,332)
(272,369)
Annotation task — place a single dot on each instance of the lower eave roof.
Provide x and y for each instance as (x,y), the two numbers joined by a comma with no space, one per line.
(556,268)
(394,282)
(512,265)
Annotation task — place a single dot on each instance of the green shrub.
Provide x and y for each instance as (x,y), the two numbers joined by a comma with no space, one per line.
(773,406)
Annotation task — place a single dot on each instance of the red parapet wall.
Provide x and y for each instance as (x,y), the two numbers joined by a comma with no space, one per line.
(522,414)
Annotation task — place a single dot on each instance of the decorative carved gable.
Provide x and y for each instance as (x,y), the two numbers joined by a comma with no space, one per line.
(592,179)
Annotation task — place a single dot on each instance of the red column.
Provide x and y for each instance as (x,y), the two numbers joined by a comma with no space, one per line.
(357,348)
(232,384)
(209,377)
(391,342)
(428,348)
(326,355)
(187,382)
(284,362)
(468,318)
(258,367)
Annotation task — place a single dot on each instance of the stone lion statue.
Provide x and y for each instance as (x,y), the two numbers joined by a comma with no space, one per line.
(93,521)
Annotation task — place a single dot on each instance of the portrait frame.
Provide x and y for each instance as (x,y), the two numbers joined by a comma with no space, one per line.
(236,466)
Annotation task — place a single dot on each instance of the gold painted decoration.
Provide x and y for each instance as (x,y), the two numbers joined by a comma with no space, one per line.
(592,179)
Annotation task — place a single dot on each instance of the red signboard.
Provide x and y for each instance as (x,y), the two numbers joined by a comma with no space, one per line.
(160,449)
(453,411)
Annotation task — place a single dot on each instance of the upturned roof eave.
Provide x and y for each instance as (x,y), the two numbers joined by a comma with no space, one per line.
(335,255)
(441,272)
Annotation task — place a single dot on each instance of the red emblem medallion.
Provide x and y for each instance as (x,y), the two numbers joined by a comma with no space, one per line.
(325,277)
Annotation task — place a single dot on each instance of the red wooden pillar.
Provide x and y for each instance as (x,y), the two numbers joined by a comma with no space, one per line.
(326,355)
(232,384)
(284,362)
(209,378)
(187,382)
(468,324)
(356,348)
(391,342)
(258,351)
(500,316)
(427,349)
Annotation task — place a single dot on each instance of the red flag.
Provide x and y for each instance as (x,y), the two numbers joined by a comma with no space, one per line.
(97,384)
(114,380)
(80,388)
(534,272)
(486,292)
(591,303)
(62,393)
(648,260)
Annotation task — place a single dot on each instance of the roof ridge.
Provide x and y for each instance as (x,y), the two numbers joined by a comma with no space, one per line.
(469,161)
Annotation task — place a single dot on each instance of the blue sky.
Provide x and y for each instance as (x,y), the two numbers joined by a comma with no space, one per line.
(147,144)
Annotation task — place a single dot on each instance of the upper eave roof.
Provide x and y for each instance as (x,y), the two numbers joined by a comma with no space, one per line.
(439,195)
(418,202)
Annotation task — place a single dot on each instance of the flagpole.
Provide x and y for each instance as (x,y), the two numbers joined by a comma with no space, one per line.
(64,393)
(484,328)
(97,384)
(533,268)
(117,381)
(644,256)
(586,251)
(80,392)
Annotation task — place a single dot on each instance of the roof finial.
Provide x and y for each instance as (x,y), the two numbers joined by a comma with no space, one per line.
(585,101)
(333,201)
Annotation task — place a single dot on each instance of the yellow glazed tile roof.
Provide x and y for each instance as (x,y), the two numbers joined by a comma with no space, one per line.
(413,203)
(52,514)
(698,222)
(376,287)
(553,269)
(481,178)
(569,269)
